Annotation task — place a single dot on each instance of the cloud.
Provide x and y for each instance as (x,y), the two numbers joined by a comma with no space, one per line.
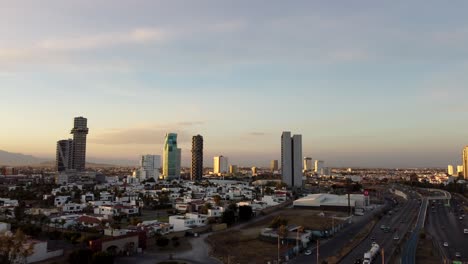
(257,134)
(144,135)
(135,36)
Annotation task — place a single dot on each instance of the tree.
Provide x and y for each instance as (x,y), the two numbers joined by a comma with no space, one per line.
(102,258)
(162,241)
(278,221)
(245,213)
(228,217)
(80,256)
(135,221)
(217,200)
(14,247)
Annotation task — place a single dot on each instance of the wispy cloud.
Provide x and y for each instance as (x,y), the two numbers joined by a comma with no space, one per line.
(144,135)
(103,40)
(257,134)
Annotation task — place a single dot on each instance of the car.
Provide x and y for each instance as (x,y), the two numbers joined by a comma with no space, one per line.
(445,244)
(460,218)
(382,227)
(465,231)
(308,252)
(396,237)
(457,254)
(372,238)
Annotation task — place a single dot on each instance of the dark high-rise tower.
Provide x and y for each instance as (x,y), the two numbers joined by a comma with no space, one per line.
(64,157)
(197,158)
(79,131)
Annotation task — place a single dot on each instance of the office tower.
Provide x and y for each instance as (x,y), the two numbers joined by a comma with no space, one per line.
(220,165)
(291,159)
(149,167)
(307,164)
(274,165)
(450,170)
(64,155)
(459,169)
(254,171)
(171,157)
(79,131)
(197,158)
(233,169)
(319,166)
(465,163)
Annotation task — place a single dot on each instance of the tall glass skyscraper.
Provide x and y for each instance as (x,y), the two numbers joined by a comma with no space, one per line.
(171,157)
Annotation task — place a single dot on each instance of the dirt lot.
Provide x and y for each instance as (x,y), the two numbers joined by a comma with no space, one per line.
(243,246)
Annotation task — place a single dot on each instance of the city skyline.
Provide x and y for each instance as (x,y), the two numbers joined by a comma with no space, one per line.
(367,84)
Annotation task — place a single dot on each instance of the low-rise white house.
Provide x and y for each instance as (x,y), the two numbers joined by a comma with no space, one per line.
(88,197)
(216,211)
(190,220)
(61,200)
(73,208)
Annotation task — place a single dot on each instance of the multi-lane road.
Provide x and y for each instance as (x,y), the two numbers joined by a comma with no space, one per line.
(399,223)
(444,225)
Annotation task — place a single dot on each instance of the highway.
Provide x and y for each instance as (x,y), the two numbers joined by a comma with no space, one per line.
(399,222)
(333,245)
(443,225)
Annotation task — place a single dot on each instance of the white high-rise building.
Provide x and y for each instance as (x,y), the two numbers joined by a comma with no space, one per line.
(465,163)
(450,170)
(220,165)
(319,166)
(308,164)
(291,159)
(149,167)
(459,169)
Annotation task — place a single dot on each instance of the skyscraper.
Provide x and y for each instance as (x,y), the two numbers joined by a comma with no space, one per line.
(450,170)
(307,164)
(291,159)
(79,131)
(64,155)
(319,166)
(149,166)
(233,169)
(197,158)
(220,165)
(274,165)
(465,163)
(171,157)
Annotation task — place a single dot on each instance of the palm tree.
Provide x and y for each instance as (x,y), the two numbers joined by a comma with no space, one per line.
(300,229)
(62,222)
(282,231)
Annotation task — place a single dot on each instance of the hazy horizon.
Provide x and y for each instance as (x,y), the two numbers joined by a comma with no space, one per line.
(366,84)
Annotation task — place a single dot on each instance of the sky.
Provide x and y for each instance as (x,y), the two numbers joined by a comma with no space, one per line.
(366,83)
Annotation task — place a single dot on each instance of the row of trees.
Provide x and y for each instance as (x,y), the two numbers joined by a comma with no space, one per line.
(234,213)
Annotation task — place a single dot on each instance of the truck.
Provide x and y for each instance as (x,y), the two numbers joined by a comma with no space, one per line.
(370,255)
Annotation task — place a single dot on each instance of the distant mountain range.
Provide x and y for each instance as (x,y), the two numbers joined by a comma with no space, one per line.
(18,159)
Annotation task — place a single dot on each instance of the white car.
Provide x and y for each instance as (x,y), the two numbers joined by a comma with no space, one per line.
(457,254)
(396,237)
(465,231)
(445,244)
(308,252)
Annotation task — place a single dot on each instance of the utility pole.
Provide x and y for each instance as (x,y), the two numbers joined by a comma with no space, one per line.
(318,251)
(383,256)
(278,248)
